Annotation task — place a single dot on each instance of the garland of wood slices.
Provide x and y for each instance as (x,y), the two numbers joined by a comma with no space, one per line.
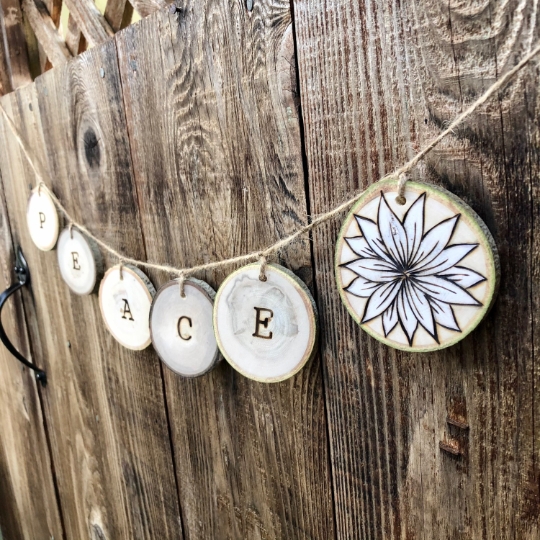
(415,267)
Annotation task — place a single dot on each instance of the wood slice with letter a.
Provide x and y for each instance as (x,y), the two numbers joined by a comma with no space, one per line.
(181,327)
(125,297)
(79,260)
(42,220)
(265,329)
(417,276)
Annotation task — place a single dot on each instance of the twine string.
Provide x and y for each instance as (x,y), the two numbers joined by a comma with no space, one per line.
(182,284)
(262,272)
(400,174)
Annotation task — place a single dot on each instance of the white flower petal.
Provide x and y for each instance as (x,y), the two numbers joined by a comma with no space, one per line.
(392,233)
(434,242)
(421,308)
(445,290)
(390,319)
(360,246)
(406,316)
(373,237)
(444,315)
(464,277)
(445,260)
(362,287)
(373,269)
(413,224)
(381,300)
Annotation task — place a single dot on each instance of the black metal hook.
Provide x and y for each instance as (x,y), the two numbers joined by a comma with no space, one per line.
(23,276)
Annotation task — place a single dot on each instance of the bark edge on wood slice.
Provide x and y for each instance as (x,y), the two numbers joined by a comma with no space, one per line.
(417,276)
(42,220)
(266,330)
(125,297)
(182,329)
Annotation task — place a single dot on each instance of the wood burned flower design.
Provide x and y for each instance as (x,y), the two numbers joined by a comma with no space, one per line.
(409,276)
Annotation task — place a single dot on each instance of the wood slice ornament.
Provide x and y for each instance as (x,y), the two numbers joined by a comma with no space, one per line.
(79,260)
(417,276)
(181,327)
(42,219)
(265,329)
(125,297)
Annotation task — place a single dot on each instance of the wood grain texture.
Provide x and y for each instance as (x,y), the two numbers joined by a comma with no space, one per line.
(104,405)
(118,13)
(215,143)
(75,41)
(90,21)
(28,502)
(46,32)
(5,68)
(439,445)
(17,49)
(147,7)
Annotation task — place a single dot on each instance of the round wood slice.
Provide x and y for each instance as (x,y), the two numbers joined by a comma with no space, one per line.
(125,298)
(79,260)
(181,328)
(265,329)
(417,276)
(42,220)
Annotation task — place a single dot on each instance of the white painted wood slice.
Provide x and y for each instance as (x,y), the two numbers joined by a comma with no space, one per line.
(79,260)
(418,276)
(181,328)
(265,329)
(42,220)
(125,297)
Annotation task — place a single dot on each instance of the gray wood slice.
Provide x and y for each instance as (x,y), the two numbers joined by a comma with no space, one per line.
(181,327)
(265,329)
(42,220)
(125,298)
(418,276)
(79,260)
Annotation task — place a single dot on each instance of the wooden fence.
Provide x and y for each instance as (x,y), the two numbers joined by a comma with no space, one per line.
(202,134)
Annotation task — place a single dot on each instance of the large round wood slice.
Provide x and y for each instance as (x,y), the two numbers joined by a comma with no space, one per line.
(42,220)
(181,327)
(79,260)
(265,329)
(125,297)
(417,276)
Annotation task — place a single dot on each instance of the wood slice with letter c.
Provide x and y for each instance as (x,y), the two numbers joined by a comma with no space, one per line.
(181,327)
(125,297)
(79,260)
(42,220)
(418,276)
(265,329)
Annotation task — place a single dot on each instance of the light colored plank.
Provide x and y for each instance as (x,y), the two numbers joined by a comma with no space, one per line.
(90,21)
(118,13)
(46,32)
(75,41)
(147,7)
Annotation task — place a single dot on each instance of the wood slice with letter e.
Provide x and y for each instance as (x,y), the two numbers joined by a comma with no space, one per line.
(79,260)
(42,220)
(265,329)
(125,297)
(181,327)
(417,276)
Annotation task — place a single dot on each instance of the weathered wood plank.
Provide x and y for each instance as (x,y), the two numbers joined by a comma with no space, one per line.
(5,68)
(104,405)
(90,21)
(147,7)
(118,13)
(378,80)
(28,503)
(46,32)
(17,49)
(214,133)
(75,41)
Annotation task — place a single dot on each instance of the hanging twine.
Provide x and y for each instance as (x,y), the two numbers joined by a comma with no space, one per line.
(401,174)
(182,284)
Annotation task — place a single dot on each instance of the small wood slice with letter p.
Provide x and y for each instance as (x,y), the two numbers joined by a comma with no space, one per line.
(79,260)
(42,220)
(181,327)
(265,329)
(125,297)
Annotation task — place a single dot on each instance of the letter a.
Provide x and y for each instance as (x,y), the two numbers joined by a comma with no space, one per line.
(127,311)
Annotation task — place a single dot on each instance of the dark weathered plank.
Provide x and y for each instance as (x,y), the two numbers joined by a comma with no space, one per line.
(104,405)
(46,32)
(378,80)
(5,68)
(90,21)
(214,132)
(28,504)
